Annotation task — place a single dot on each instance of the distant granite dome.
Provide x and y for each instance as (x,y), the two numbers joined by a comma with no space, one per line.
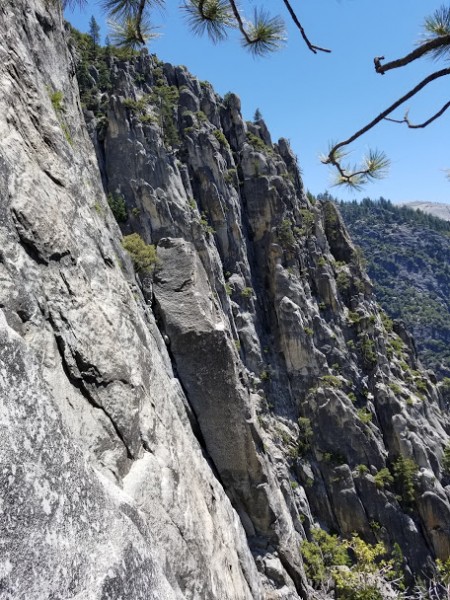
(438,209)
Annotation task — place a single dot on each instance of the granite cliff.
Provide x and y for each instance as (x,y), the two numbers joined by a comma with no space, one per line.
(176,434)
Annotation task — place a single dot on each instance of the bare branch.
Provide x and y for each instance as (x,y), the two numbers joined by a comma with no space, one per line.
(139,15)
(294,17)
(420,125)
(237,16)
(390,109)
(377,164)
(438,42)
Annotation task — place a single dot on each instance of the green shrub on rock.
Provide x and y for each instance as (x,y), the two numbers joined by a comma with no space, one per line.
(305,435)
(285,234)
(356,569)
(383,478)
(324,552)
(220,137)
(143,255)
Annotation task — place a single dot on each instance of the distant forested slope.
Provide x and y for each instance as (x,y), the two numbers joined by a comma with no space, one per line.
(408,260)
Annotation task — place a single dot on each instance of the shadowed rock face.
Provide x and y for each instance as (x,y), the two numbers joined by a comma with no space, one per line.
(177,436)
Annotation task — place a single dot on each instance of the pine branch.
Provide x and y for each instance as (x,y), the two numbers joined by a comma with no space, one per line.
(425,48)
(211,16)
(376,164)
(261,36)
(239,21)
(420,125)
(390,109)
(119,8)
(74,3)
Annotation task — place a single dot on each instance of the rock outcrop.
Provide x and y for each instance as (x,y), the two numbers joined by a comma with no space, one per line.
(178,435)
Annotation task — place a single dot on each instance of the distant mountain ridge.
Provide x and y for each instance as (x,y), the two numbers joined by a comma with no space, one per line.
(437,209)
(408,260)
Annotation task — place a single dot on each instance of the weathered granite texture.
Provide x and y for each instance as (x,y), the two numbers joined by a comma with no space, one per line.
(105,490)
(178,436)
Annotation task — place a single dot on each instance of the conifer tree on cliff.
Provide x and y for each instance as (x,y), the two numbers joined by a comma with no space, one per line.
(94,32)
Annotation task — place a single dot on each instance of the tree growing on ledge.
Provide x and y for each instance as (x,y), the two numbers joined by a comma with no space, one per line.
(264,33)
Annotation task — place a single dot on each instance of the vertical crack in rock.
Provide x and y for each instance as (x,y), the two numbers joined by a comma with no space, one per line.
(81,383)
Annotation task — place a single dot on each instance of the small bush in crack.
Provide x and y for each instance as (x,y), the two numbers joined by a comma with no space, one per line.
(56,98)
(404,471)
(220,137)
(364,415)
(143,255)
(305,435)
(383,478)
(247,292)
(331,381)
(285,234)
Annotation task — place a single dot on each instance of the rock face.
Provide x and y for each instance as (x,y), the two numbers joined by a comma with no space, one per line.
(105,490)
(177,436)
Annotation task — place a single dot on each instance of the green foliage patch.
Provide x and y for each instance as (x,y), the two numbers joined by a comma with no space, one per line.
(446,459)
(258,144)
(383,478)
(404,471)
(143,255)
(165,99)
(220,137)
(356,569)
(56,99)
(305,435)
(364,415)
(119,208)
(331,381)
(286,234)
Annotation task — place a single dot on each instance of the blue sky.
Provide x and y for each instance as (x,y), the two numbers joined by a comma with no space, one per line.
(317,99)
